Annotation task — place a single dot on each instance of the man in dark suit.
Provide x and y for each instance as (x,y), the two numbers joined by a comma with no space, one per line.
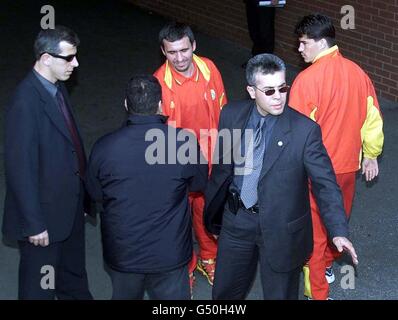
(260,16)
(260,22)
(261,204)
(142,179)
(44,163)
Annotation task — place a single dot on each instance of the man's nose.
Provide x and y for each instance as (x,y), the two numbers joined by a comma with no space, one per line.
(75,63)
(301,48)
(179,56)
(277,94)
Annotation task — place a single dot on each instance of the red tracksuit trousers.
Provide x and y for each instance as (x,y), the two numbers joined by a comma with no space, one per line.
(324,252)
(207,243)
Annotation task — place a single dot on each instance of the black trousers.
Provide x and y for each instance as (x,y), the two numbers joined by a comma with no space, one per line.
(171,285)
(57,270)
(240,248)
(260,21)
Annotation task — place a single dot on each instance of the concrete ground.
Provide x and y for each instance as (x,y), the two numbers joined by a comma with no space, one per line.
(118,40)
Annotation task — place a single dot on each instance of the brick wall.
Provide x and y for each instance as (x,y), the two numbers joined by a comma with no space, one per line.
(373,44)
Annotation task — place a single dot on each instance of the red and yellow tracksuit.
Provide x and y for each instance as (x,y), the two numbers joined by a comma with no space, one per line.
(337,94)
(195,103)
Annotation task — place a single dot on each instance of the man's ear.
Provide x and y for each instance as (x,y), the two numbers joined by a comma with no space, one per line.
(251,92)
(193,46)
(164,52)
(324,44)
(125,105)
(45,59)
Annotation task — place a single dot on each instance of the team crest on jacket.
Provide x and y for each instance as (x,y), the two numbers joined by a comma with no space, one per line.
(213,94)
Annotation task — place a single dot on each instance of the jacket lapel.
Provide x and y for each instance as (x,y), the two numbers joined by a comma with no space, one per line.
(243,117)
(71,110)
(279,139)
(51,109)
(239,122)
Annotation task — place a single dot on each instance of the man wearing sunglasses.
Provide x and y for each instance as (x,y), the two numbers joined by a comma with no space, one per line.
(44,165)
(260,206)
(337,94)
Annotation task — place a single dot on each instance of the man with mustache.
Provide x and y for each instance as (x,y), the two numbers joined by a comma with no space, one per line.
(260,206)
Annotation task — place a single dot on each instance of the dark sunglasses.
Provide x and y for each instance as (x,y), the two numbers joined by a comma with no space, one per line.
(270,92)
(68,58)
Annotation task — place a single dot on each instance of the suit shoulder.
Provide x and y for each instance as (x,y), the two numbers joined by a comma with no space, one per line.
(26,86)
(25,96)
(236,106)
(232,111)
(108,140)
(301,119)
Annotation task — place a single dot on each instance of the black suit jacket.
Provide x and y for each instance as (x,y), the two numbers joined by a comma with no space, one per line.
(44,190)
(146,223)
(295,153)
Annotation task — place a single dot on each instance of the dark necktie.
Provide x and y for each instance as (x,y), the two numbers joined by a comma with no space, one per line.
(70,123)
(248,192)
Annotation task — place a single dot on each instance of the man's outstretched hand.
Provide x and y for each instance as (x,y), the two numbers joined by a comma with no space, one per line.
(342,243)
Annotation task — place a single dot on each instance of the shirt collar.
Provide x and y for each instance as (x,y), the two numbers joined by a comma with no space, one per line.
(48,85)
(258,115)
(326,52)
(180,79)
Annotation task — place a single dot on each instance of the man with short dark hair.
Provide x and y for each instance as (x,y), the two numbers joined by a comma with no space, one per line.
(146,223)
(337,94)
(261,204)
(44,164)
(193,95)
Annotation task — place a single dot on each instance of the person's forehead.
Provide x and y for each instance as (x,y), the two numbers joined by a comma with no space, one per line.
(67,48)
(178,44)
(271,79)
(305,38)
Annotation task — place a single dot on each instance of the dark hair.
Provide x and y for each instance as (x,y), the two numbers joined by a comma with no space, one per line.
(317,26)
(48,40)
(174,31)
(265,63)
(143,94)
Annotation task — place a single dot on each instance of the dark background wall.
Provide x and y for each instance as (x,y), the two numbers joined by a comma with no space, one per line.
(373,44)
